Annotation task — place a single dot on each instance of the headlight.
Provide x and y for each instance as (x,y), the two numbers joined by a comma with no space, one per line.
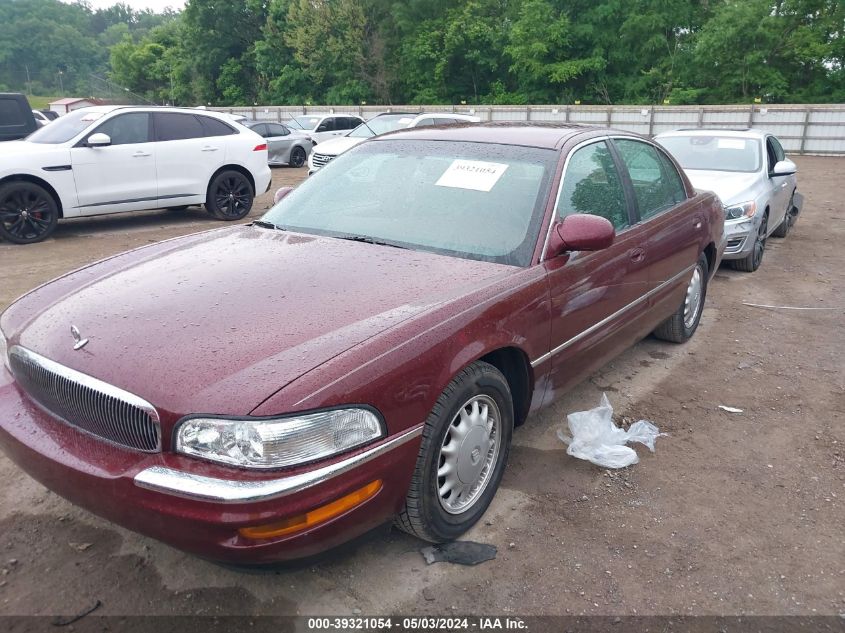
(278,442)
(739,211)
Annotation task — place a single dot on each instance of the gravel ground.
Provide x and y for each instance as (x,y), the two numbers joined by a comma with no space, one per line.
(733,513)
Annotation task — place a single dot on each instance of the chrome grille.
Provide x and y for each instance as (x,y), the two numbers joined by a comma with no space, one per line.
(320,160)
(87,403)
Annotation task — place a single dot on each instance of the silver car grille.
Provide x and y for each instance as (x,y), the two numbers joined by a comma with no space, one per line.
(86,403)
(321,160)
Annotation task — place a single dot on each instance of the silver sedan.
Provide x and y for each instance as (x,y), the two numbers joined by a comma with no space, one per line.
(749,171)
(284,145)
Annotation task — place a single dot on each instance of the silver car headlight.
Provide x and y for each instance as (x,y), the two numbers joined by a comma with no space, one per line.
(744,210)
(279,441)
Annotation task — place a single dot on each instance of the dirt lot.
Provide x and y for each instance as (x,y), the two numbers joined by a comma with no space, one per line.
(733,514)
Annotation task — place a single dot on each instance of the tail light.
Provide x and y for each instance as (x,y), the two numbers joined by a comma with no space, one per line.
(260,148)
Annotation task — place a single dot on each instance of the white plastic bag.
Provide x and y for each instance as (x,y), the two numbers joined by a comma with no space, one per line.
(597,439)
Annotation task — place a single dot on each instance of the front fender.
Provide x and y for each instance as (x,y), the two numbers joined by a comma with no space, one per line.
(402,371)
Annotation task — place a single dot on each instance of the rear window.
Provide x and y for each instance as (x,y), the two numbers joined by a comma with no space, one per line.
(10,112)
(215,127)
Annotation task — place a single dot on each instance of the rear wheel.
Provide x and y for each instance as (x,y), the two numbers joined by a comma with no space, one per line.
(28,213)
(297,157)
(680,327)
(230,196)
(752,262)
(464,450)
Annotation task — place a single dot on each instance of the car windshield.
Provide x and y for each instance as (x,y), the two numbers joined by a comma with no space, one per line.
(381,124)
(304,122)
(65,128)
(471,200)
(714,153)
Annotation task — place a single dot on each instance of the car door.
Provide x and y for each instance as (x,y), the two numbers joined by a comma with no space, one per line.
(122,175)
(596,297)
(781,186)
(674,224)
(186,158)
(325,130)
(278,143)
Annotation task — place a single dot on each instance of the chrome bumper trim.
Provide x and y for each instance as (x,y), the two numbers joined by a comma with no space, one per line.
(618,313)
(183,484)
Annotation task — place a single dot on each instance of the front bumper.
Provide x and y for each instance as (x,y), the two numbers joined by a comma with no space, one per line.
(197,506)
(740,236)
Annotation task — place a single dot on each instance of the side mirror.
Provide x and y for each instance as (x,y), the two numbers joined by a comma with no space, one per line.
(580,232)
(281,193)
(784,168)
(99,140)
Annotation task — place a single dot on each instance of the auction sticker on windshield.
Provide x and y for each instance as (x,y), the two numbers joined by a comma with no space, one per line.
(472,174)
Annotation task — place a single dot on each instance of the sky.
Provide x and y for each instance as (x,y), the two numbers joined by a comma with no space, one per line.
(155,5)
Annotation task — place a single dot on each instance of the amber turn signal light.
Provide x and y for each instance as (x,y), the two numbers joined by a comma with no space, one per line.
(314,517)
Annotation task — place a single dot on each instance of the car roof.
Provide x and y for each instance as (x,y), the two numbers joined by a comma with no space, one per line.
(105,109)
(542,134)
(710,131)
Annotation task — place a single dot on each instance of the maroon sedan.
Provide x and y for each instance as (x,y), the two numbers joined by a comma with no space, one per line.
(364,351)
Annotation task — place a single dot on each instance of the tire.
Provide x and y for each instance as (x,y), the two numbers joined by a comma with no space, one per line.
(782,229)
(752,262)
(28,213)
(680,327)
(431,512)
(230,196)
(297,157)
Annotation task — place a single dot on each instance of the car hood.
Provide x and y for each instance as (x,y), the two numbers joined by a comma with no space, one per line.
(731,187)
(219,321)
(337,145)
(14,149)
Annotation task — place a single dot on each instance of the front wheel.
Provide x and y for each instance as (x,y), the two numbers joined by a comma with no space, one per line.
(680,327)
(782,229)
(28,213)
(752,261)
(464,450)
(229,196)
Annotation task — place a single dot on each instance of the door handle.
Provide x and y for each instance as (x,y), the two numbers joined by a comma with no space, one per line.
(208,148)
(637,255)
(141,154)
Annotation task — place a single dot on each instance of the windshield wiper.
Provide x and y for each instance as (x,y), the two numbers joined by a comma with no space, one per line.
(265,224)
(368,240)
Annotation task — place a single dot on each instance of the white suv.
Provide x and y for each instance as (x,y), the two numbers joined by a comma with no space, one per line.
(322,127)
(381,124)
(110,159)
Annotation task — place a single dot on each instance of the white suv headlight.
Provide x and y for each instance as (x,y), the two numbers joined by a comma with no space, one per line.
(278,442)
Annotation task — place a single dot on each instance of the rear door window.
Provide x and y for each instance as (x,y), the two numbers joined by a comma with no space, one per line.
(172,126)
(654,188)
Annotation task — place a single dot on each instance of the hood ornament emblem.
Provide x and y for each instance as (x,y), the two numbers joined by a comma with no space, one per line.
(80,342)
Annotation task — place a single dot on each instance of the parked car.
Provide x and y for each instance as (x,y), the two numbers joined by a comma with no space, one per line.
(50,115)
(284,146)
(364,351)
(16,120)
(110,159)
(41,119)
(755,180)
(321,127)
(380,124)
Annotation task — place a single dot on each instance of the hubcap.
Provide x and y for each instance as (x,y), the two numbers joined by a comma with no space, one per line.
(468,454)
(25,214)
(233,196)
(692,305)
